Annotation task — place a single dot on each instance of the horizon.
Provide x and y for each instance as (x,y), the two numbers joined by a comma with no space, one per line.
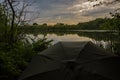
(52,24)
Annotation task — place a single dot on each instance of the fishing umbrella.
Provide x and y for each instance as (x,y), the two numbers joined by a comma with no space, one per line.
(72,61)
(96,65)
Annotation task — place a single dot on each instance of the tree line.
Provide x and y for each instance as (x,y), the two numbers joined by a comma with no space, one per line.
(97,24)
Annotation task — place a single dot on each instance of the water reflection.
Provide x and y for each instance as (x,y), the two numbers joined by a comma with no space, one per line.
(57,38)
(109,41)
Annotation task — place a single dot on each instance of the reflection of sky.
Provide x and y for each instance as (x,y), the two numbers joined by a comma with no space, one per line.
(68,37)
(69,11)
(57,38)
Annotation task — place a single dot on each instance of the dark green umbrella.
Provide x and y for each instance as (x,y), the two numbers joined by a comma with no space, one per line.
(73,61)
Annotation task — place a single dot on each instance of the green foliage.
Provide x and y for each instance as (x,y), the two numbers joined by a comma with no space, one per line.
(41,44)
(45,24)
(111,24)
(14,60)
(116,48)
(91,25)
(15,53)
(3,28)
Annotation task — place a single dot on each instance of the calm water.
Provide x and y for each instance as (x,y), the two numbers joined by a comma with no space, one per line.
(105,40)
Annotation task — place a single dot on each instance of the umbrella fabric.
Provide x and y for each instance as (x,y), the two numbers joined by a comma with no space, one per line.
(51,58)
(92,52)
(71,61)
(106,67)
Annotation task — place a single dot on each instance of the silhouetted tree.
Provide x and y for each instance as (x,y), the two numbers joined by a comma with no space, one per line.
(35,24)
(44,24)
(14,12)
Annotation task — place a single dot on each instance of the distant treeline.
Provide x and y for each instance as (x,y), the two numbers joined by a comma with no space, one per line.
(91,25)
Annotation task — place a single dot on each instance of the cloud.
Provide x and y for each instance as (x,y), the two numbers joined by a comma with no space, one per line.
(97,11)
(87,8)
(88,5)
(69,11)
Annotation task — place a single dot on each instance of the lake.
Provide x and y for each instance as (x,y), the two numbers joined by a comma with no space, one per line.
(106,40)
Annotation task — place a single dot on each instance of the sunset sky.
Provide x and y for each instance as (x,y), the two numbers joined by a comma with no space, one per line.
(69,11)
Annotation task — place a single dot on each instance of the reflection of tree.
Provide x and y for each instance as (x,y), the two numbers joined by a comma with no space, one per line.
(94,35)
(100,36)
(111,38)
(116,46)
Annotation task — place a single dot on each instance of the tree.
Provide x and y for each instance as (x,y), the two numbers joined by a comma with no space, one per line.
(44,24)
(113,23)
(107,2)
(14,53)
(10,2)
(14,12)
(35,24)
(2,23)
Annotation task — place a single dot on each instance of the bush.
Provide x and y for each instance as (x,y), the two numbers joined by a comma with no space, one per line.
(13,60)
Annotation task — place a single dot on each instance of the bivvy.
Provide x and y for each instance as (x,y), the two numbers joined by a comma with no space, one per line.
(73,61)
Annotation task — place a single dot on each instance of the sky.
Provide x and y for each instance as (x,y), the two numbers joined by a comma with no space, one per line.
(69,11)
